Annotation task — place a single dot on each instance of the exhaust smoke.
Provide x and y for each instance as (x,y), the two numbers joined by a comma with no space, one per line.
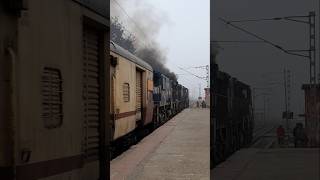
(140,31)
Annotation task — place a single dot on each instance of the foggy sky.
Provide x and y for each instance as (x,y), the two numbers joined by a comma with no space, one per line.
(187,39)
(258,64)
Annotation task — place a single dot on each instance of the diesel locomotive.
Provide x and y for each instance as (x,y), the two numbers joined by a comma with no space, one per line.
(169,98)
(231,120)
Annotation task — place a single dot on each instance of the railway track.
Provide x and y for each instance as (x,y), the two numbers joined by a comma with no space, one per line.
(260,138)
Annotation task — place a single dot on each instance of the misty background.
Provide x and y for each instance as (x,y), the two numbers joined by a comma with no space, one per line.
(173,36)
(259,64)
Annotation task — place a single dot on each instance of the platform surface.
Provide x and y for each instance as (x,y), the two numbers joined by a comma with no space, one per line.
(270,164)
(177,150)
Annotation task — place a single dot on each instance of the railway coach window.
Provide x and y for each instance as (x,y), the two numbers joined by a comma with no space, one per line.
(126,92)
(52,114)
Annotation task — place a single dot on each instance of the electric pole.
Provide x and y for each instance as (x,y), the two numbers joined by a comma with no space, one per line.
(287,95)
(264,109)
(199,91)
(207,68)
(208,76)
(312,46)
(253,102)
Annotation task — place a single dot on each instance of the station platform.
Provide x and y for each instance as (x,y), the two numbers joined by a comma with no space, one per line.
(178,149)
(270,164)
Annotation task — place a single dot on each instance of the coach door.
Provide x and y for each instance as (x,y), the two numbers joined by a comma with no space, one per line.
(139,94)
(91,100)
(113,64)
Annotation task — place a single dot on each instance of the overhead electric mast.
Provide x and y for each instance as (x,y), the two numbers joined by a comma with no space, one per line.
(309,53)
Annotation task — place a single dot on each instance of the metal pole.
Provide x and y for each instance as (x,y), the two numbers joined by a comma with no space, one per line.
(208,75)
(199,90)
(310,53)
(288,95)
(314,36)
(285,96)
(312,46)
(268,110)
(264,109)
(253,102)
(319,42)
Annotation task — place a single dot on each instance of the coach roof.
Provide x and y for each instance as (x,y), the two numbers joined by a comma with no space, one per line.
(126,54)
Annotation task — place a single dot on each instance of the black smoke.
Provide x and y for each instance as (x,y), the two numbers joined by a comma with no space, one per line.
(155,58)
(139,32)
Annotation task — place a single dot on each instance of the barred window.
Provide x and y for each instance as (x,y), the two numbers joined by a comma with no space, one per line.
(126,92)
(52,113)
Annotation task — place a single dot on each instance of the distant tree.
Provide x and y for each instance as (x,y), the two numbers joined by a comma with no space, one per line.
(121,36)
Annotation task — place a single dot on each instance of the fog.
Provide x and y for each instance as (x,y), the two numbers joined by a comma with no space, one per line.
(259,64)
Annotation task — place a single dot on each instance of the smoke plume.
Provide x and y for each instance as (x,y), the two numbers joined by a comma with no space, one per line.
(156,58)
(142,29)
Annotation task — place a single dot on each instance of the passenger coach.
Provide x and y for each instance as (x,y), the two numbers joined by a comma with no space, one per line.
(141,99)
(53,89)
(131,92)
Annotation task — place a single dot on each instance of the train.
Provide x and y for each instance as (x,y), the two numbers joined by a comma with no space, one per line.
(65,99)
(53,85)
(169,97)
(232,120)
(142,99)
(59,112)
